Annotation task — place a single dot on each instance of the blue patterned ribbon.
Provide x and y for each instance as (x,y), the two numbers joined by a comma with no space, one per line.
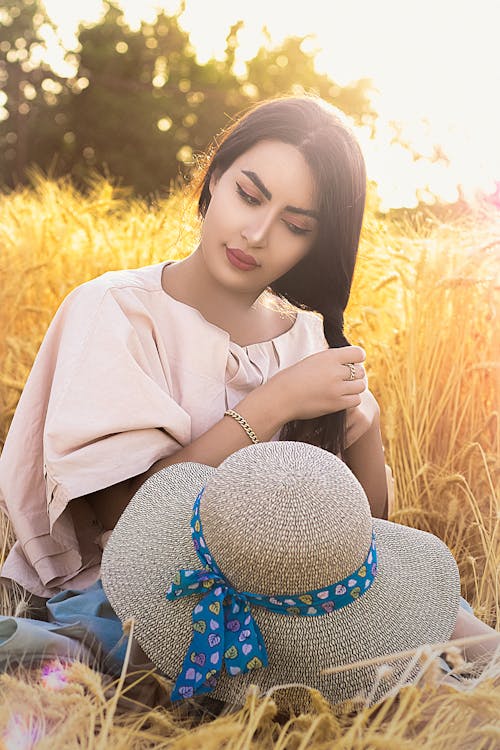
(224,630)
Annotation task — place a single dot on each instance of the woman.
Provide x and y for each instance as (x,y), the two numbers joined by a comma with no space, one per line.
(187,361)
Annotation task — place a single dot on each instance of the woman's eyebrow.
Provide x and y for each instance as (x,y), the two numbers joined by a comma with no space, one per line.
(258,183)
(268,195)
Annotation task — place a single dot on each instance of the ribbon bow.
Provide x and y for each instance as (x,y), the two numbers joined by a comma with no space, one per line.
(224,630)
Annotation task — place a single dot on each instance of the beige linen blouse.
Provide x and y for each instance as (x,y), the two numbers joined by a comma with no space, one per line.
(126,375)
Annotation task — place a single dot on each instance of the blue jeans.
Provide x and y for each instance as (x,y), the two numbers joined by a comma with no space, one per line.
(92,610)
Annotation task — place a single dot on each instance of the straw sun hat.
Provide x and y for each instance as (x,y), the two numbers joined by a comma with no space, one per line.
(298,576)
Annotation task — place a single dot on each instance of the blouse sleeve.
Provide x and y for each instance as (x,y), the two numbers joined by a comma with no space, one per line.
(111,412)
(97,409)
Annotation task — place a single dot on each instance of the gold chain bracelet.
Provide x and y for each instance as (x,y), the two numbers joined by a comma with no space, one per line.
(243,422)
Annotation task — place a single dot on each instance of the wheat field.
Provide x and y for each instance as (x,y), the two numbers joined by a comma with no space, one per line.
(425,308)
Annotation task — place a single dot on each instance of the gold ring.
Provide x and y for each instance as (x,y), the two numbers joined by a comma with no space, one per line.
(352,371)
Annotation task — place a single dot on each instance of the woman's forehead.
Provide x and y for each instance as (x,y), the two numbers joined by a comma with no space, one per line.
(280,167)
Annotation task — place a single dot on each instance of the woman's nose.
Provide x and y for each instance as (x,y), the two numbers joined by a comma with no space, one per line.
(256,232)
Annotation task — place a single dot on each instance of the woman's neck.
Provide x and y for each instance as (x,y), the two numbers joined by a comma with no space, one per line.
(189,281)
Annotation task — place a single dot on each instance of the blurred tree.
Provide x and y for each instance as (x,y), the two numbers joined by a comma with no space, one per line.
(30,92)
(290,68)
(140,106)
(149,103)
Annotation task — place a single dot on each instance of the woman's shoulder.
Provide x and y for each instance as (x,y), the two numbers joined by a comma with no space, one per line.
(284,318)
(111,287)
(146,278)
(111,302)
(308,332)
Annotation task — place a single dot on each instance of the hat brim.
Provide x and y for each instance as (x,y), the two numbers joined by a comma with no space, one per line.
(414,600)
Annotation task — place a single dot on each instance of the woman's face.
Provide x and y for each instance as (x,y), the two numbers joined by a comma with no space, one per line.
(262,218)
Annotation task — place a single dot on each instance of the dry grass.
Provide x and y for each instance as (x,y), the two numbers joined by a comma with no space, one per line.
(425,308)
(91,711)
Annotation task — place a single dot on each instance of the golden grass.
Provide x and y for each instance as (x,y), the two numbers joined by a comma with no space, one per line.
(425,308)
(89,711)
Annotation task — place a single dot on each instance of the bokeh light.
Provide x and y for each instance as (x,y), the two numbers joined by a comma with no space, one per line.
(21,733)
(54,675)
(435,75)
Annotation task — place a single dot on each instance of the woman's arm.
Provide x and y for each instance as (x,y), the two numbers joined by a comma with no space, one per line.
(260,408)
(365,453)
(469,625)
(314,386)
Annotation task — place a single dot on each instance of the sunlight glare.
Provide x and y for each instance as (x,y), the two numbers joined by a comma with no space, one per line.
(434,69)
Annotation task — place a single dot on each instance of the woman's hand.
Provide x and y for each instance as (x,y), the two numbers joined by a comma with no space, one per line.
(360,418)
(321,384)
(103,539)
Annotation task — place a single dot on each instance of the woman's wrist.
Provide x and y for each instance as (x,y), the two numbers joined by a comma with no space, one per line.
(281,401)
(361,419)
(265,409)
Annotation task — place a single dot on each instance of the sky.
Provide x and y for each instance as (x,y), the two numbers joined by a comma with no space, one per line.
(434,64)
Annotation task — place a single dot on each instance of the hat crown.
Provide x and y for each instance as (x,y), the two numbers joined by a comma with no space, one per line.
(285,517)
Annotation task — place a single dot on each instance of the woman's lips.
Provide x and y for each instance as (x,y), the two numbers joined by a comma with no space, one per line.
(240,260)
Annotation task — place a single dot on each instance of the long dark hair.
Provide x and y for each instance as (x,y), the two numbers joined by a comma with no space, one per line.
(321,281)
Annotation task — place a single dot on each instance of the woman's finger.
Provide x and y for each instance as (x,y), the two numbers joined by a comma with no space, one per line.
(353,386)
(353,371)
(353,354)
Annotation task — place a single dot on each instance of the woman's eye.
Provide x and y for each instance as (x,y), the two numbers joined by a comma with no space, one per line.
(246,196)
(295,229)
